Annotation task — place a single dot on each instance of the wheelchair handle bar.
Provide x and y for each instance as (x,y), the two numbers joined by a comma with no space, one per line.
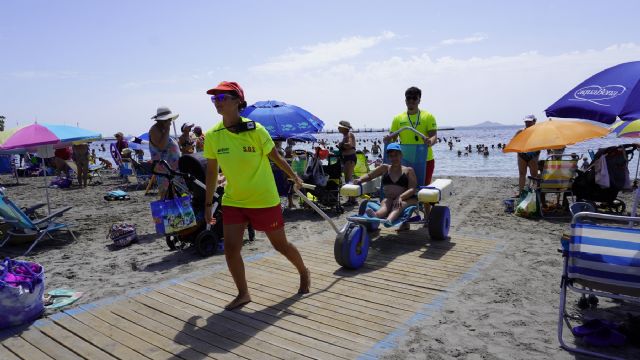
(409,128)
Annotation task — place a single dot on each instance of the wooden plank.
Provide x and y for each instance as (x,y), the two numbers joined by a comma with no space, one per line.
(5,354)
(321,314)
(362,297)
(202,333)
(336,335)
(98,339)
(175,335)
(47,345)
(341,288)
(271,295)
(71,341)
(216,315)
(132,342)
(23,349)
(293,341)
(153,338)
(214,325)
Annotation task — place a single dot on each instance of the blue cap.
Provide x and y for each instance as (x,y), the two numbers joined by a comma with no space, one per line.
(393,146)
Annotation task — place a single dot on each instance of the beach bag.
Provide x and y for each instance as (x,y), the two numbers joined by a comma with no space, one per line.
(173,215)
(315,173)
(21,292)
(122,234)
(602,172)
(528,207)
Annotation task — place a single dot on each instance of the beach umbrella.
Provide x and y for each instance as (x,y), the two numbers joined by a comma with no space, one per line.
(283,120)
(610,94)
(43,138)
(627,129)
(554,134)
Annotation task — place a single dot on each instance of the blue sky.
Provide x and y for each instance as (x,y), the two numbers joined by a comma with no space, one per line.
(107,65)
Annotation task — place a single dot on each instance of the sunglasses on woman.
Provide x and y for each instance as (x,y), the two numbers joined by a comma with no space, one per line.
(221,97)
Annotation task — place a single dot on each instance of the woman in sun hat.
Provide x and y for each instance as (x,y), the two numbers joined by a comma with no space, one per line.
(347,149)
(243,149)
(527,160)
(162,146)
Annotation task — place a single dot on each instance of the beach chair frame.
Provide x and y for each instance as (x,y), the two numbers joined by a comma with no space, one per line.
(24,226)
(594,264)
(558,173)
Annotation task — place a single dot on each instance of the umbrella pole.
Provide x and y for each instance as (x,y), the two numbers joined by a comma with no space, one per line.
(46,188)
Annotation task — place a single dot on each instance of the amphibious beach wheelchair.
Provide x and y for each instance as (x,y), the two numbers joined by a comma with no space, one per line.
(205,237)
(352,243)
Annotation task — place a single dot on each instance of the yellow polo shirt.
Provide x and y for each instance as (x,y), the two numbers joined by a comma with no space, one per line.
(243,158)
(425,124)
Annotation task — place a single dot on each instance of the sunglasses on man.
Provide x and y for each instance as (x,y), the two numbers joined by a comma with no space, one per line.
(412,98)
(221,97)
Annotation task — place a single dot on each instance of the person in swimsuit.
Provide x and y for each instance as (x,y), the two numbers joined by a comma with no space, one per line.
(81,158)
(527,159)
(347,154)
(399,185)
(162,146)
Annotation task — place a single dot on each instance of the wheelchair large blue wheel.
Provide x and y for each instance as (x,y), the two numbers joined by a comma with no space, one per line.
(439,222)
(352,247)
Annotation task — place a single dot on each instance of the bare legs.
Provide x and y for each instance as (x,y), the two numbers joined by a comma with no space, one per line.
(349,166)
(523,165)
(232,247)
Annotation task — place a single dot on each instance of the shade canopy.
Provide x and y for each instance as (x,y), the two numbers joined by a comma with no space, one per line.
(554,134)
(283,120)
(29,137)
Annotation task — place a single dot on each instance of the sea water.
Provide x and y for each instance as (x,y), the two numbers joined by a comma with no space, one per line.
(448,162)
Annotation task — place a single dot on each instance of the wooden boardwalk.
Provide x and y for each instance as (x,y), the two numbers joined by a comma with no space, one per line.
(347,315)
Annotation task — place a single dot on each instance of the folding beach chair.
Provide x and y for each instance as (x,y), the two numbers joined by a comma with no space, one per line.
(141,173)
(362,164)
(557,178)
(601,260)
(23,226)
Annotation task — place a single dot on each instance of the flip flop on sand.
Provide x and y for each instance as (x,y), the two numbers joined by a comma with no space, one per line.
(116,195)
(58,298)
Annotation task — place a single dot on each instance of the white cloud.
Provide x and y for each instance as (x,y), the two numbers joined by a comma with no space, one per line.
(319,55)
(468,40)
(459,91)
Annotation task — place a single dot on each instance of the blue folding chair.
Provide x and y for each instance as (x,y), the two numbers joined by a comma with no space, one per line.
(600,260)
(23,226)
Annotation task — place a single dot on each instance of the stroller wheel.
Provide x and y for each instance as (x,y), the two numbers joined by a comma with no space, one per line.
(175,242)
(207,243)
(618,207)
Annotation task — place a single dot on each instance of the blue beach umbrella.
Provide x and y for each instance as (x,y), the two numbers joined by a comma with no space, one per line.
(282,120)
(610,94)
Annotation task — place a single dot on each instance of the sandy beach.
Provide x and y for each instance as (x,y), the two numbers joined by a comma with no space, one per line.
(507,311)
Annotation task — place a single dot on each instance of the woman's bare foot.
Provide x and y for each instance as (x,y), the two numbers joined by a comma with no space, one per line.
(305,282)
(240,300)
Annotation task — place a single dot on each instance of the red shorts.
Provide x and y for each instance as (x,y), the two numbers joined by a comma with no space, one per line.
(262,219)
(428,174)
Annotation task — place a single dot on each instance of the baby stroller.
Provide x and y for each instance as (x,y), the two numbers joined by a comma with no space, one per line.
(327,180)
(586,189)
(205,237)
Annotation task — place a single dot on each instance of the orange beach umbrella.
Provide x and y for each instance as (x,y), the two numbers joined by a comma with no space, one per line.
(554,134)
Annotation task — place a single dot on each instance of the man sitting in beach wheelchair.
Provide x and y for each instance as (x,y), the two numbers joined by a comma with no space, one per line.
(402,201)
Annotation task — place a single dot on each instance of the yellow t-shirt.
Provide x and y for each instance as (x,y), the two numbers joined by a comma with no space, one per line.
(243,158)
(425,124)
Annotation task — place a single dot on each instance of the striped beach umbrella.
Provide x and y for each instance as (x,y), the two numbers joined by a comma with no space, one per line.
(629,129)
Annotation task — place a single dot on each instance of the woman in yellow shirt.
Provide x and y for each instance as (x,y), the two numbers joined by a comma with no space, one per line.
(242,149)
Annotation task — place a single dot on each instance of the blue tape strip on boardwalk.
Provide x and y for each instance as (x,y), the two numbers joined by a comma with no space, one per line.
(391,341)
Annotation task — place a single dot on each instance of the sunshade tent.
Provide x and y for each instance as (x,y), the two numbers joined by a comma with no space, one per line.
(43,138)
(554,134)
(610,94)
(283,120)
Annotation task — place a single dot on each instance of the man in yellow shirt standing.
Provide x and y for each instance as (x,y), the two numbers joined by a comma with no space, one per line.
(422,121)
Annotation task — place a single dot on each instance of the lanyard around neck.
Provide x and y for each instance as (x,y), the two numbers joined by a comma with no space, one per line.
(417,119)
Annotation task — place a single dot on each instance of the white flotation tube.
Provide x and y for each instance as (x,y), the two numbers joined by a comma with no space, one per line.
(364,188)
(436,191)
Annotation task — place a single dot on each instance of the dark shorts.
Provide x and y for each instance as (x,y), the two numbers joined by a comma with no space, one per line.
(528,156)
(428,174)
(351,157)
(262,219)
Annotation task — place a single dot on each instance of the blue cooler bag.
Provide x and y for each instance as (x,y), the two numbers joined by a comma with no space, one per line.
(173,215)
(21,292)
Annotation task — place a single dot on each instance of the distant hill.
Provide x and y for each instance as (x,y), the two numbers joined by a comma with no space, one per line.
(487,124)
